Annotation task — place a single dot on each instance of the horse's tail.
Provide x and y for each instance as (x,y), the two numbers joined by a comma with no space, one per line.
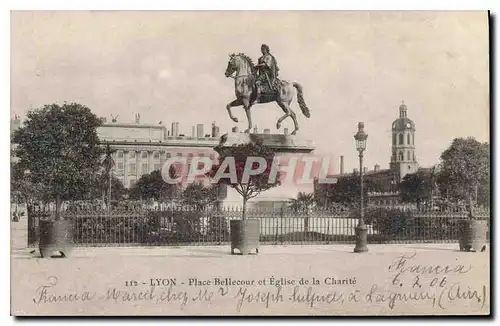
(300,100)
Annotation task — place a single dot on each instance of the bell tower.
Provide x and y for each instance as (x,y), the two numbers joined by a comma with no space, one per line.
(403,158)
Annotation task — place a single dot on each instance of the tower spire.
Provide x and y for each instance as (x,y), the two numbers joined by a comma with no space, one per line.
(402,110)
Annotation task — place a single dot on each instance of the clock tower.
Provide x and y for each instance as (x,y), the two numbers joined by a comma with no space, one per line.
(403,158)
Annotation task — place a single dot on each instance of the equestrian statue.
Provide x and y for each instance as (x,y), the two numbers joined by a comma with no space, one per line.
(260,84)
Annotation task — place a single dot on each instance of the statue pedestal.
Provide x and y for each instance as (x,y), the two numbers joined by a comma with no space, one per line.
(288,148)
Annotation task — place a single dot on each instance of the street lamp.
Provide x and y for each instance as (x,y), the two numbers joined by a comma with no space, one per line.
(361,230)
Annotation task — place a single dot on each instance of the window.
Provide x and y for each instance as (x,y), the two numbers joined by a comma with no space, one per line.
(132,183)
(394,139)
(169,155)
(156,161)
(179,154)
(190,155)
(408,156)
(144,168)
(144,163)
(414,157)
(408,139)
(400,139)
(401,158)
(119,162)
(132,167)
(212,157)
(201,155)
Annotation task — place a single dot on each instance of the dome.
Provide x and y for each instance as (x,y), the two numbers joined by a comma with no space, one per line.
(403,124)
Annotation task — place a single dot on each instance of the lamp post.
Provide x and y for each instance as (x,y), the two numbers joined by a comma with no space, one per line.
(361,230)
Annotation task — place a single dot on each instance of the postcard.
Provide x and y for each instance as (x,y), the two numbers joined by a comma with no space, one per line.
(253,163)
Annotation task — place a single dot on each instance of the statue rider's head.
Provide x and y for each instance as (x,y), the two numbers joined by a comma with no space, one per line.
(264,49)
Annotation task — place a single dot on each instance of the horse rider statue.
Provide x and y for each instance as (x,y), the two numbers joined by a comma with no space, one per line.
(267,71)
(250,81)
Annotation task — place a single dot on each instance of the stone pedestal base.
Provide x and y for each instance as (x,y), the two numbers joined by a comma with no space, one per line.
(361,238)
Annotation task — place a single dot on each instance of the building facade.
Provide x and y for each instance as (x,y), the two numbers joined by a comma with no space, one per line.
(383,184)
(140,148)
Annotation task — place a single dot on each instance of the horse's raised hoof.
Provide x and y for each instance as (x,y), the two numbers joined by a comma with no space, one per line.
(278,125)
(234,119)
(294,132)
(247,131)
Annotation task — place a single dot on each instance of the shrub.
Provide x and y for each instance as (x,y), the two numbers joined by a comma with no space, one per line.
(389,222)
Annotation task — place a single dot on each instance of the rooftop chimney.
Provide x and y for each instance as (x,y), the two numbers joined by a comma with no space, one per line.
(285,131)
(137,118)
(215,130)
(199,130)
(267,131)
(365,169)
(355,171)
(255,130)
(172,129)
(376,168)
(342,165)
(176,129)
(193,133)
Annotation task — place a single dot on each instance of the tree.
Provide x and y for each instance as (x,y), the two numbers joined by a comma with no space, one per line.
(255,184)
(59,147)
(20,184)
(304,202)
(118,190)
(347,191)
(199,196)
(22,188)
(152,187)
(416,188)
(465,170)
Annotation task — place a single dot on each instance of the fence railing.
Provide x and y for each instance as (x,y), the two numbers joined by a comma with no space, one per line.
(189,226)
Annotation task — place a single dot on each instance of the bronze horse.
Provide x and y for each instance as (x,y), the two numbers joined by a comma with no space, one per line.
(246,93)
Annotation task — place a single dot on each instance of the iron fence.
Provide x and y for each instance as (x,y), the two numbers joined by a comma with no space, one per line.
(190,226)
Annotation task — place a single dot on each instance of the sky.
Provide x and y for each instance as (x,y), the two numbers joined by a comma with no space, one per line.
(353,66)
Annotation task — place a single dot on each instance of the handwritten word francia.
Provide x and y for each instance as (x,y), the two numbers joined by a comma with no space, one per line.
(402,266)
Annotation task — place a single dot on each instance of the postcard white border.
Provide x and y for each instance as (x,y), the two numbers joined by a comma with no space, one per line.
(6,6)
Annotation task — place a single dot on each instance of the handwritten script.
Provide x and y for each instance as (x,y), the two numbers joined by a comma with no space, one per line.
(408,283)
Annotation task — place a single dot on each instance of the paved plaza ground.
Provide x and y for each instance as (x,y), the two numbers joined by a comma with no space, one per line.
(194,280)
